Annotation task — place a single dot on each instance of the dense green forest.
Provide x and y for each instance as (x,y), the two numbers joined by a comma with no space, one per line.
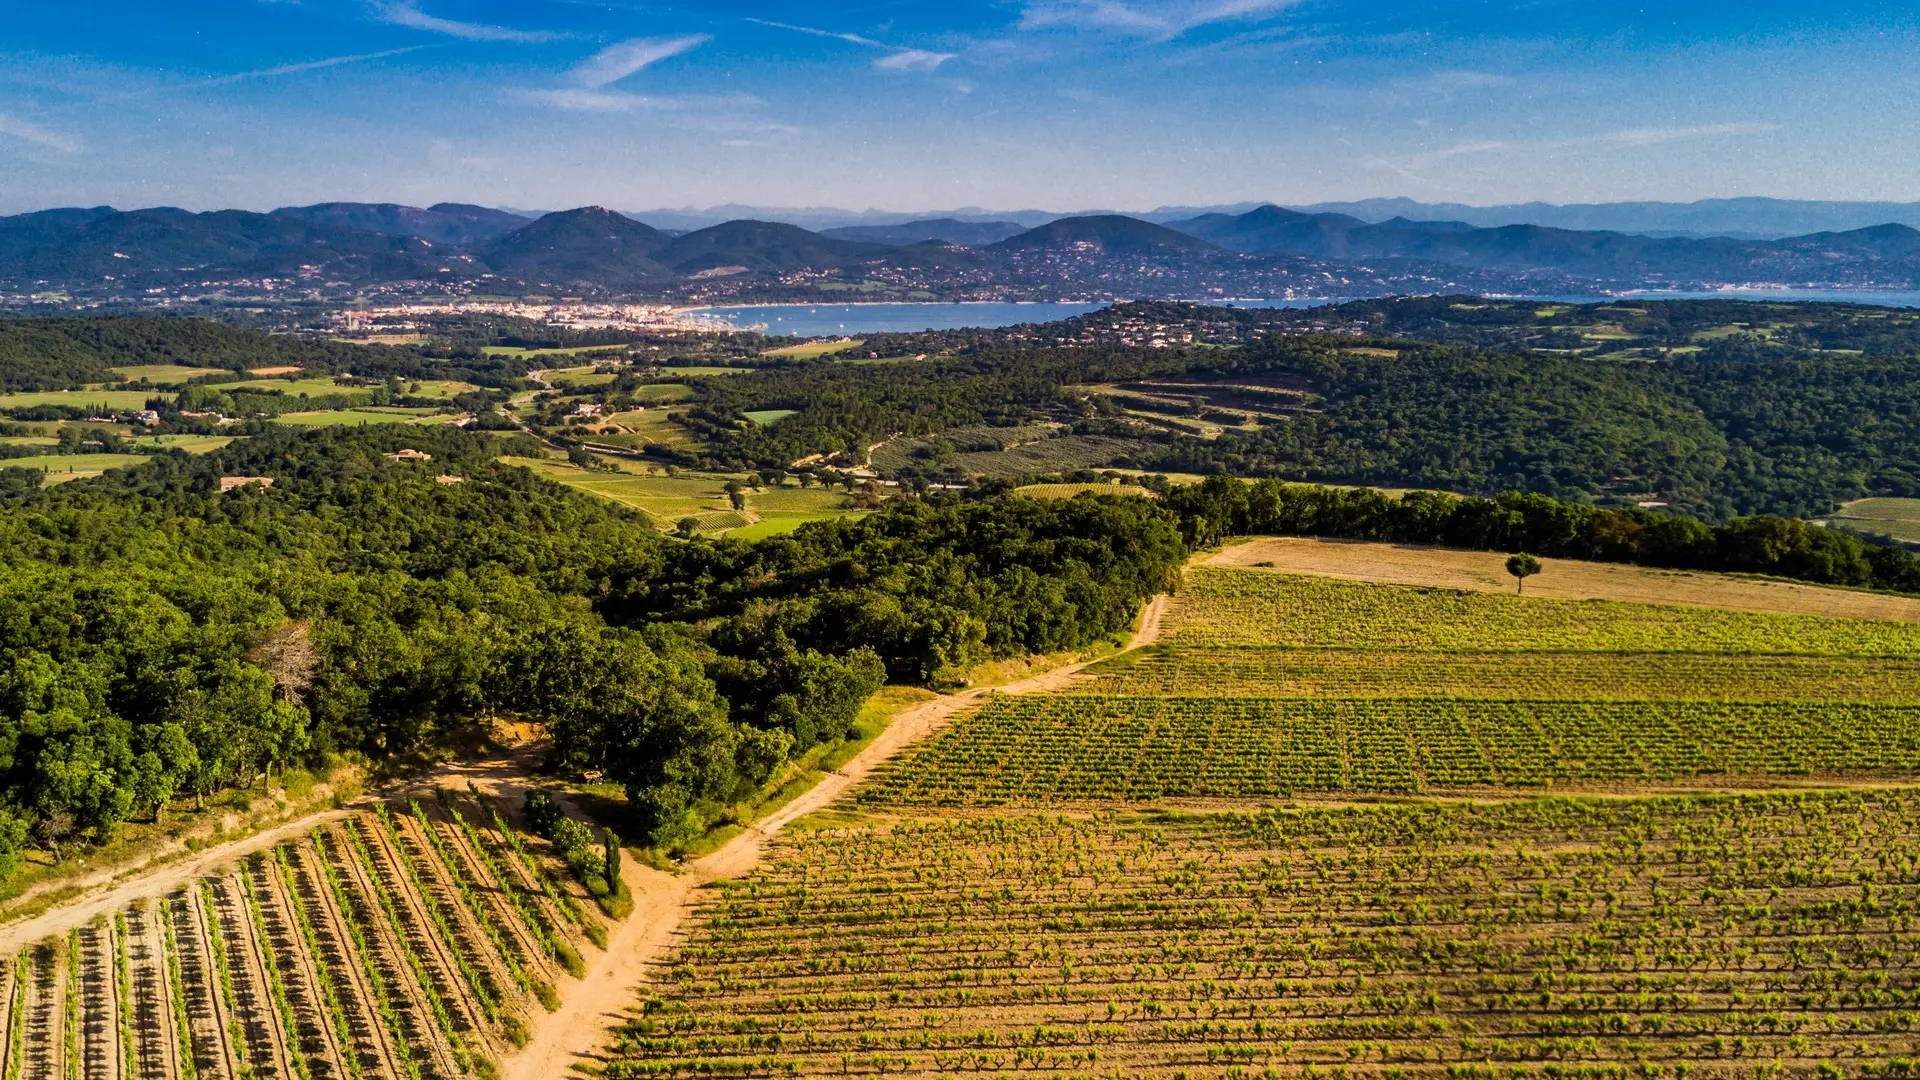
(64,354)
(166,640)
(1714,438)
(1771,408)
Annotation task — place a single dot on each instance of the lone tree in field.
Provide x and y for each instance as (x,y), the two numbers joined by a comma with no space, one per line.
(687,526)
(1522,567)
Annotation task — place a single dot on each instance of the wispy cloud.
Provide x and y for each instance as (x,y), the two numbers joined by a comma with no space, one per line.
(913,60)
(591,82)
(27,131)
(308,65)
(898,58)
(1164,19)
(587,99)
(407,13)
(1620,139)
(621,59)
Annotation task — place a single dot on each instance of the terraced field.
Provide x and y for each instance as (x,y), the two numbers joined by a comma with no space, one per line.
(418,940)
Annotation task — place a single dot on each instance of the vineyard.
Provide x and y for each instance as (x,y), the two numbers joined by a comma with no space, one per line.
(419,940)
(1047,749)
(1276,685)
(1696,936)
(1219,607)
(1268,672)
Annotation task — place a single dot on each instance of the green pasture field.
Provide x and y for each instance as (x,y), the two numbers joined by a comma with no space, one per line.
(578,377)
(353,416)
(63,467)
(164,374)
(664,393)
(577,350)
(436,388)
(1898,518)
(702,370)
(104,400)
(769,417)
(813,350)
(192,444)
(309,387)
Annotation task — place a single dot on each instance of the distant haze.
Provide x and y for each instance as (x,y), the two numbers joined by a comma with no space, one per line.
(1751,217)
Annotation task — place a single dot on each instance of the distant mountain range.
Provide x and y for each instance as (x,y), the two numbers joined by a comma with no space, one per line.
(1745,218)
(1751,218)
(339,249)
(945,230)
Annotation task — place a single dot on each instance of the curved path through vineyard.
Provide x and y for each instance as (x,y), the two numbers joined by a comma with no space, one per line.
(661,900)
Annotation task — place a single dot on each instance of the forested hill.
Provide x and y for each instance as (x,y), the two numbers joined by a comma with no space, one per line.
(1715,438)
(167,639)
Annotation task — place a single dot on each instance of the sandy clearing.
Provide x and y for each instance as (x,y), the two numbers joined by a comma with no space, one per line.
(615,979)
(1565,579)
(60,919)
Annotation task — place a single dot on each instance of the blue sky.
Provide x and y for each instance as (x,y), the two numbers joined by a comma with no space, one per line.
(1053,104)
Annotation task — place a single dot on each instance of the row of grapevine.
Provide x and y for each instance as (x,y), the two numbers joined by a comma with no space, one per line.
(1222,607)
(376,948)
(1046,748)
(1609,676)
(1553,939)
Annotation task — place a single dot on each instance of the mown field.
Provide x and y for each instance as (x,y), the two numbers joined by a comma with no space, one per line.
(669,499)
(418,940)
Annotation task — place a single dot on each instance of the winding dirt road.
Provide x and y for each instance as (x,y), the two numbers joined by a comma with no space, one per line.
(578,1032)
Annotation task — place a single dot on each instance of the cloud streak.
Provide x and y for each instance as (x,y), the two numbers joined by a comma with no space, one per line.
(1620,139)
(621,59)
(1152,20)
(897,59)
(407,13)
(27,131)
(308,65)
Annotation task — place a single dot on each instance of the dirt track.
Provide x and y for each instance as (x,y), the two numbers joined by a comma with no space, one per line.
(579,1030)
(661,900)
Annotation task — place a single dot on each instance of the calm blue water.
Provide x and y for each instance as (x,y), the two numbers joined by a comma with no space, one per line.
(830,320)
(1877,297)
